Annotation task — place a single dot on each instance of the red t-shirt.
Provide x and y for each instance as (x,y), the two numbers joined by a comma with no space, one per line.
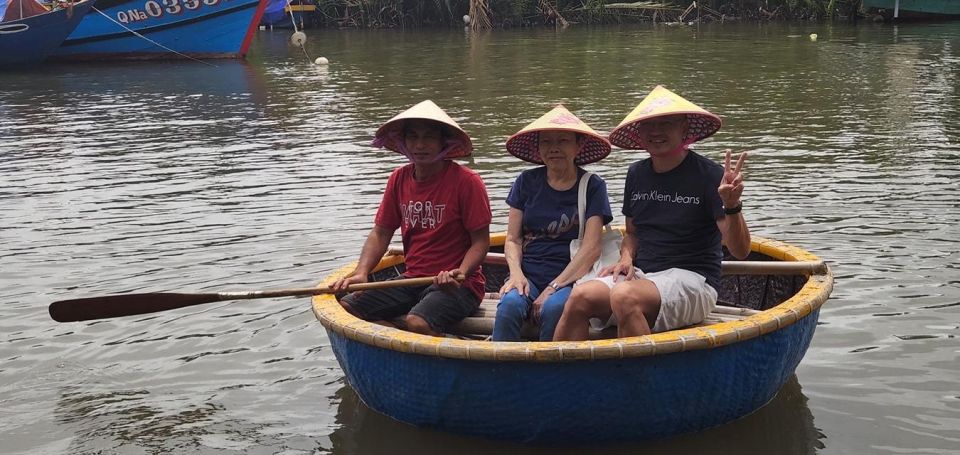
(435,218)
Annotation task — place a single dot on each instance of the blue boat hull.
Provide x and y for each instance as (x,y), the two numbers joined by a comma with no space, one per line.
(29,41)
(576,402)
(152,29)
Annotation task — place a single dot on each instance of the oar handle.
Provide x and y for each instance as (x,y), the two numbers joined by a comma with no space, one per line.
(403,282)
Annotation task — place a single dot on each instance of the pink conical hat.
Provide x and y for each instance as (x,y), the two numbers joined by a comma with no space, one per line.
(525,144)
(662,102)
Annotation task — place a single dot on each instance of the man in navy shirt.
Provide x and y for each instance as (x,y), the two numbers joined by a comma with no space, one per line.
(680,208)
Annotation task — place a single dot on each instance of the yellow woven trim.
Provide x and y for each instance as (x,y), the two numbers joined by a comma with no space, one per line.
(809,298)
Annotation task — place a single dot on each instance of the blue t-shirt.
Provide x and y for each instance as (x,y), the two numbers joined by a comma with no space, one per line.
(675,214)
(551,221)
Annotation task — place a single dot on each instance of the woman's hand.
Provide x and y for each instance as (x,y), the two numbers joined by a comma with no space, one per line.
(519,283)
(537,306)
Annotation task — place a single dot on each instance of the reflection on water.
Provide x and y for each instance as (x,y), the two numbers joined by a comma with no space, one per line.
(151,428)
(116,420)
(251,175)
(783,426)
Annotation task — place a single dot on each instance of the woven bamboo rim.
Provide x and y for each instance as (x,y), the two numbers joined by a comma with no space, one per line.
(808,299)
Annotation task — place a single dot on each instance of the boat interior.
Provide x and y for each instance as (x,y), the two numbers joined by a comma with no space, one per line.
(748,287)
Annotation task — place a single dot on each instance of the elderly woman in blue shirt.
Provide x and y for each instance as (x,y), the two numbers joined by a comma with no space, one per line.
(544,218)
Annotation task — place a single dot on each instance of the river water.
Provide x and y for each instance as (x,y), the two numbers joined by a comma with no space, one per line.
(180,176)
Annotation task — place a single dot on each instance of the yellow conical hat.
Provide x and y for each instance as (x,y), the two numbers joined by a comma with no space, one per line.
(525,144)
(660,102)
(390,135)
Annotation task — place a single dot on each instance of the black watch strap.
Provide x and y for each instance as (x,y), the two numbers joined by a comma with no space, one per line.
(733,210)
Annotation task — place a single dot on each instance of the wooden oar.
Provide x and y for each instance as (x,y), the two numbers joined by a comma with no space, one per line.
(726,267)
(112,306)
(773,267)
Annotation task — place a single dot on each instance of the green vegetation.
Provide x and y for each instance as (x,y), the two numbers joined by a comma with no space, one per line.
(486,14)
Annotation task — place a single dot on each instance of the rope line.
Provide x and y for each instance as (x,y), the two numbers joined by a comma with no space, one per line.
(294,22)
(137,34)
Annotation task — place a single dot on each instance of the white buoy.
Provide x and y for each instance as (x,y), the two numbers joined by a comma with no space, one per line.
(321,61)
(813,37)
(298,38)
(466,19)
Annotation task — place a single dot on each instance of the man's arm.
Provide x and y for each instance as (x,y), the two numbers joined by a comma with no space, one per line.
(736,235)
(373,249)
(628,246)
(479,245)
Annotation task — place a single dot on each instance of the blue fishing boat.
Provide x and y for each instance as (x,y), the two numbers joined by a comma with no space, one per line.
(164,29)
(913,9)
(29,31)
(596,391)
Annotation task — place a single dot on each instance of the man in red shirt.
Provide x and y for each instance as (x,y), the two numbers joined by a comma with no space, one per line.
(443,212)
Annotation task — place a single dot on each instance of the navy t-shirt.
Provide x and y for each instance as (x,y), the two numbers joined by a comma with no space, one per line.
(551,221)
(675,216)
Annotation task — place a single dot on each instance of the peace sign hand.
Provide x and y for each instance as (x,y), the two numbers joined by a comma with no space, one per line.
(731,185)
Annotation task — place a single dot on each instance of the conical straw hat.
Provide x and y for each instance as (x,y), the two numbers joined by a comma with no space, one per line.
(661,102)
(525,144)
(390,135)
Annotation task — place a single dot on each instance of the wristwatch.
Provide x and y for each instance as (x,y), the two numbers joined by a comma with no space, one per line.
(733,210)
(555,286)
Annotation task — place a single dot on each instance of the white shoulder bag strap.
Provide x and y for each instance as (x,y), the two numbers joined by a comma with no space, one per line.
(582,202)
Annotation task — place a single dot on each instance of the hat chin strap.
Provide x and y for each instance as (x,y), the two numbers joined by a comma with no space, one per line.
(396,138)
(449,146)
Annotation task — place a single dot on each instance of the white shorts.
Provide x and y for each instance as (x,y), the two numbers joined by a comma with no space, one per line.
(685,298)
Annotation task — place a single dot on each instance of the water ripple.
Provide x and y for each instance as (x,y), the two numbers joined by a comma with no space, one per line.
(178,177)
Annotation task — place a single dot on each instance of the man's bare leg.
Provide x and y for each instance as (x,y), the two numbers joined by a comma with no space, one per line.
(588,300)
(636,304)
(419,325)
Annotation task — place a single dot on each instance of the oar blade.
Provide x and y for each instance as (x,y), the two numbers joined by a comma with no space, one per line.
(112,306)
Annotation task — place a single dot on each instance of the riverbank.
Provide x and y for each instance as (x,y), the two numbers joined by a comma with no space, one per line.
(488,14)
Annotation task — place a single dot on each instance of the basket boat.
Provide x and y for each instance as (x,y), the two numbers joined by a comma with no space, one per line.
(596,391)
